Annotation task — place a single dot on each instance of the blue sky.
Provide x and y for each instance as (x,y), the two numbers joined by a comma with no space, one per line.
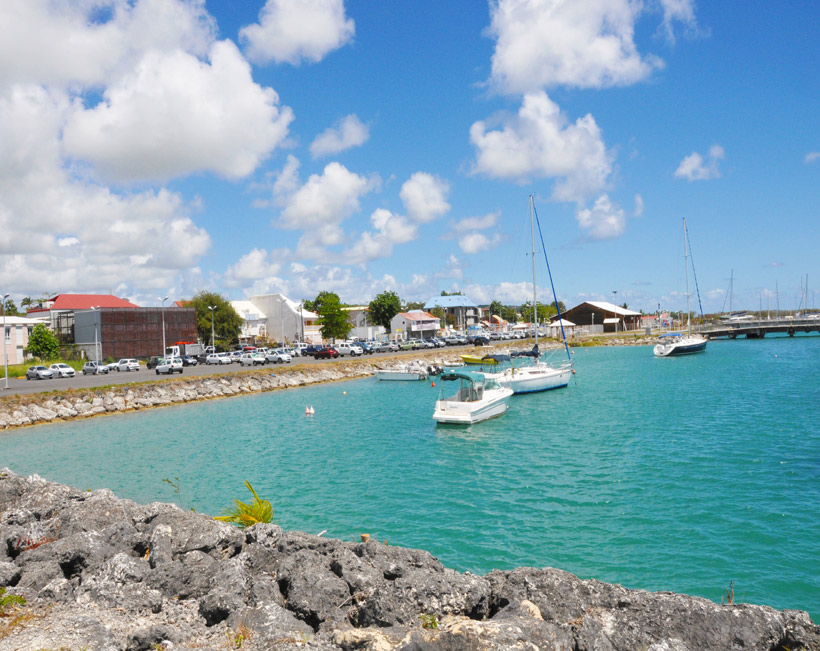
(162,147)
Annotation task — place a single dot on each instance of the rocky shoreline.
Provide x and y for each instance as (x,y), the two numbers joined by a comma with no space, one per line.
(102,573)
(39,408)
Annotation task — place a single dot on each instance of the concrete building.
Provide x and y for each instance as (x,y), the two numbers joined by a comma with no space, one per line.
(363,327)
(415,324)
(287,320)
(254,321)
(132,332)
(465,312)
(15,337)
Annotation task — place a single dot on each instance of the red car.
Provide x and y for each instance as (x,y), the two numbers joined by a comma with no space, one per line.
(326,352)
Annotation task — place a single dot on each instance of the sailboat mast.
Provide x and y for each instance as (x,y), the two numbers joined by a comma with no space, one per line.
(686,266)
(534,301)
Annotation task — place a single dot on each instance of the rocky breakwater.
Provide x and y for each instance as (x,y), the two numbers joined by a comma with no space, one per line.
(103,573)
(32,409)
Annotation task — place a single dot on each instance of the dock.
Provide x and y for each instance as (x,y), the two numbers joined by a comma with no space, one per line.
(759,328)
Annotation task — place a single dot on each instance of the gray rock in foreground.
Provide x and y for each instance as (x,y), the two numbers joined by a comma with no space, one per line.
(101,573)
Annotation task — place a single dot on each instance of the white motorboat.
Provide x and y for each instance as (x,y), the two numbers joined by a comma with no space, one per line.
(478,398)
(401,373)
(675,344)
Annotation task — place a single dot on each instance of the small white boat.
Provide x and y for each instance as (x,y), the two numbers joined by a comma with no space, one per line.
(401,373)
(532,378)
(478,398)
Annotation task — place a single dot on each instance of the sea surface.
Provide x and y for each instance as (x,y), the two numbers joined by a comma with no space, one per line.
(677,474)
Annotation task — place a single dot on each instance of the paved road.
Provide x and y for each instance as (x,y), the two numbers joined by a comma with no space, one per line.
(80,381)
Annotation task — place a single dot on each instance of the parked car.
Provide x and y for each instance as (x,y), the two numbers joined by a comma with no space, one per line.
(439,342)
(284,354)
(252,359)
(153,361)
(346,348)
(410,344)
(39,373)
(128,364)
(367,347)
(481,340)
(187,360)
(218,358)
(386,347)
(426,343)
(170,365)
(452,340)
(309,350)
(326,352)
(235,355)
(94,368)
(62,370)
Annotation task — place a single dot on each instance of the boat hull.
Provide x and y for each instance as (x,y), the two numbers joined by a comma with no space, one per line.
(534,379)
(477,360)
(399,376)
(455,412)
(686,346)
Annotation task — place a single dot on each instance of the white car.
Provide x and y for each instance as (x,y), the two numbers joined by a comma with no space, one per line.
(95,368)
(218,358)
(169,365)
(128,365)
(251,359)
(278,356)
(62,370)
(346,348)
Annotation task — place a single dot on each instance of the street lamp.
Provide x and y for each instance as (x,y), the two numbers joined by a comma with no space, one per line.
(5,353)
(212,308)
(96,349)
(163,323)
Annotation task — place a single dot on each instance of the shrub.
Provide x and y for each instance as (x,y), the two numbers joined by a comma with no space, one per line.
(245,515)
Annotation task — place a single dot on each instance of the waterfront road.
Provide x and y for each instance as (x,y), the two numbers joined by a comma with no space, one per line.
(80,381)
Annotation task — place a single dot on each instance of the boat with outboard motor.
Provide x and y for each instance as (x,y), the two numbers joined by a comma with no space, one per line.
(478,398)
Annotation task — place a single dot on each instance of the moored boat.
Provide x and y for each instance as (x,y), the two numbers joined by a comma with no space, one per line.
(478,398)
(672,344)
(401,373)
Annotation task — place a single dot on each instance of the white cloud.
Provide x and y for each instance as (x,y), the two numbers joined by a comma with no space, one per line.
(290,31)
(677,10)
(347,133)
(540,142)
(64,43)
(425,197)
(476,223)
(812,156)
(544,43)
(604,221)
(390,230)
(697,168)
(639,207)
(476,242)
(176,115)
(325,199)
(256,265)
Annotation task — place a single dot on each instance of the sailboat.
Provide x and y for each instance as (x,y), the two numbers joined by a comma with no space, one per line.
(538,376)
(676,344)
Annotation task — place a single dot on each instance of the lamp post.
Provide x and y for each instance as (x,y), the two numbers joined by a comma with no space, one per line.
(96,349)
(5,353)
(212,308)
(163,324)
(301,322)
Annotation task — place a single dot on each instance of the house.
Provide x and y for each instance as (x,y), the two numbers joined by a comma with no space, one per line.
(15,337)
(286,320)
(254,321)
(415,324)
(363,327)
(58,312)
(461,310)
(602,316)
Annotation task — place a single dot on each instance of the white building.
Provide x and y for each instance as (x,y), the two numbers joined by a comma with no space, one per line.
(254,321)
(287,320)
(15,338)
(363,327)
(415,324)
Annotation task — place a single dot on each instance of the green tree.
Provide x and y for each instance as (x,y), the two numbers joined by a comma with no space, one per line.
(42,343)
(444,293)
(11,308)
(333,323)
(384,307)
(227,323)
(509,314)
(413,305)
(496,308)
(544,312)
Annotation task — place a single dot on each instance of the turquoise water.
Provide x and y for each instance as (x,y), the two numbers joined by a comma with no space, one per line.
(665,474)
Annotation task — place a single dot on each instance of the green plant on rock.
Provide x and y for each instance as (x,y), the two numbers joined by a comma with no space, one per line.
(8,601)
(429,620)
(246,515)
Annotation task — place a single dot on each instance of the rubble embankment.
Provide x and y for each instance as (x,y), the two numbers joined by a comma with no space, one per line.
(104,573)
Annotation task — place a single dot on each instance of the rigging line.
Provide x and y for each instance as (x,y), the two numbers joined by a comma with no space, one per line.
(694,274)
(552,285)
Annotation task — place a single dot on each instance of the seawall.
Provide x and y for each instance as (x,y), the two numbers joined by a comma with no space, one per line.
(103,573)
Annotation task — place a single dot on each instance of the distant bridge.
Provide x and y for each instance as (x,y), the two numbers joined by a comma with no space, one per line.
(757,329)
